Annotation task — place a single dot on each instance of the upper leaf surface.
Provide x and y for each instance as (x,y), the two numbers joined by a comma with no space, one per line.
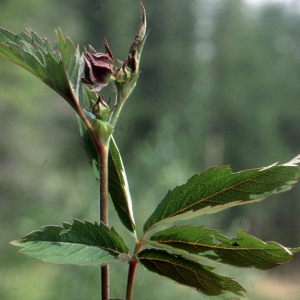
(57,65)
(189,273)
(82,243)
(219,188)
(73,63)
(242,251)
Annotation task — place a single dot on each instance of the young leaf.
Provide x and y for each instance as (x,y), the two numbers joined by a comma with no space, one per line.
(117,181)
(118,187)
(82,243)
(73,63)
(219,188)
(242,251)
(189,273)
(59,66)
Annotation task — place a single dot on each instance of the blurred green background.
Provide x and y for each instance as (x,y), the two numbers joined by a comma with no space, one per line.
(220,84)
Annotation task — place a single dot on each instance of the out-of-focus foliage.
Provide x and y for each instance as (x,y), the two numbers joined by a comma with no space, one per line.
(219,85)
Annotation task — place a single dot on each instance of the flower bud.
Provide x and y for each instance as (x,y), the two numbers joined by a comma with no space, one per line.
(127,75)
(98,68)
(136,47)
(101,110)
(123,73)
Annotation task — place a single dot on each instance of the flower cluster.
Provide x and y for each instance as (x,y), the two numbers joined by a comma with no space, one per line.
(99,67)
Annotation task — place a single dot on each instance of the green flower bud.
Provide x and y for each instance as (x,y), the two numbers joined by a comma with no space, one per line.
(101,109)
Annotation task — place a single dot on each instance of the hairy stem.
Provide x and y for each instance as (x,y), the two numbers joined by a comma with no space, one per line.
(102,149)
(130,278)
(104,282)
(103,192)
(132,268)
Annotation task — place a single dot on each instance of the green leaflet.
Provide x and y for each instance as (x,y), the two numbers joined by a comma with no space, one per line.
(59,66)
(118,187)
(189,273)
(218,188)
(82,243)
(73,64)
(242,251)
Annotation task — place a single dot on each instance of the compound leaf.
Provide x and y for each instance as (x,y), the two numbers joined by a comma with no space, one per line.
(189,273)
(218,188)
(59,65)
(80,243)
(242,251)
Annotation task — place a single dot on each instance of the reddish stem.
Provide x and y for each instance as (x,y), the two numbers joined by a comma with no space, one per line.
(130,279)
(103,171)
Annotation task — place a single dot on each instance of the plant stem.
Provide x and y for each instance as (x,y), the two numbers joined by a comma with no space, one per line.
(118,107)
(130,278)
(103,150)
(132,267)
(104,282)
(103,192)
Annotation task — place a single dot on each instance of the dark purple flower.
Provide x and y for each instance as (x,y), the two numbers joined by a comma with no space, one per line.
(98,67)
